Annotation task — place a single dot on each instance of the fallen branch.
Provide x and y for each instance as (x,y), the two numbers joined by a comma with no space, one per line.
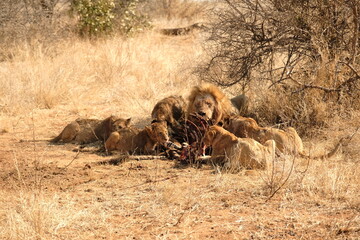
(145,157)
(305,86)
(77,154)
(150,181)
(283,183)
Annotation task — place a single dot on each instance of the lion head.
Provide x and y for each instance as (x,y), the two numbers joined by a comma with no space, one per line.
(208,101)
(119,123)
(158,132)
(210,135)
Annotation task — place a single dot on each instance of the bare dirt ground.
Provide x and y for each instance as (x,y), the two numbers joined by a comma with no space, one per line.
(56,192)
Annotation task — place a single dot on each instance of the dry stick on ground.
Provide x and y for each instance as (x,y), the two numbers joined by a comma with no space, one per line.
(148,182)
(77,154)
(146,157)
(16,163)
(283,183)
(328,90)
(188,209)
(304,86)
(350,137)
(292,167)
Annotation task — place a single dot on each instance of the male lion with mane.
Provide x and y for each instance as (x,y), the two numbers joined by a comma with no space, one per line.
(209,102)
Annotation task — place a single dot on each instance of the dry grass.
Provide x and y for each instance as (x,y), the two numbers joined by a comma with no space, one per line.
(112,70)
(180,11)
(40,198)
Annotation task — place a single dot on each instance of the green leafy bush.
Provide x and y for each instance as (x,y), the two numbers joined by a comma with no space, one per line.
(95,16)
(128,19)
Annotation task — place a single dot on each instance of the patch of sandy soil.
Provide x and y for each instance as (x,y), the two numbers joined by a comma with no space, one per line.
(157,199)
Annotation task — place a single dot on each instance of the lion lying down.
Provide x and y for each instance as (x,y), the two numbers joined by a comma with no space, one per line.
(90,130)
(134,141)
(234,154)
(287,140)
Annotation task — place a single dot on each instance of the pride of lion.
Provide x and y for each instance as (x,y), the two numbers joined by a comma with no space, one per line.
(208,118)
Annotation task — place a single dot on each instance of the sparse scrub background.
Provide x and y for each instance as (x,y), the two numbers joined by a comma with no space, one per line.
(178,11)
(296,67)
(303,53)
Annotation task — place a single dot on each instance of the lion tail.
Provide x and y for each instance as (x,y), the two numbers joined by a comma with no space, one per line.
(326,155)
(55,139)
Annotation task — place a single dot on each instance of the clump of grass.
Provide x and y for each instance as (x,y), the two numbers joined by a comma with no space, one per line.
(28,215)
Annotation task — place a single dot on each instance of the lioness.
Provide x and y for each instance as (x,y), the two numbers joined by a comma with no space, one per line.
(135,141)
(235,153)
(287,140)
(242,127)
(91,130)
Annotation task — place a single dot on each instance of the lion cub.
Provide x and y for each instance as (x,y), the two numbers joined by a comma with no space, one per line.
(235,153)
(91,130)
(135,141)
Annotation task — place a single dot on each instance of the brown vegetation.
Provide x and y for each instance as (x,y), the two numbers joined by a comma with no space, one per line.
(302,53)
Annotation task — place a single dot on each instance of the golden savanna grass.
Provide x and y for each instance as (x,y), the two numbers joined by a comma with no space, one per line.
(51,192)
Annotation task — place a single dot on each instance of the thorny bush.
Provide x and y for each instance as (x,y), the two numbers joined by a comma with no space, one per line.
(304,53)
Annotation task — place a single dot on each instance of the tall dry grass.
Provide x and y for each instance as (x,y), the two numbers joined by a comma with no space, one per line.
(125,75)
(178,11)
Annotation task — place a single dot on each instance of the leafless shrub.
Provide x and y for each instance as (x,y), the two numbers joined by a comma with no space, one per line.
(300,51)
(29,19)
(176,9)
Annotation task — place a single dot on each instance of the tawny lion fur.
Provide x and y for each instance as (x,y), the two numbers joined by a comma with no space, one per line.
(135,141)
(91,130)
(209,101)
(235,153)
(287,140)
(171,109)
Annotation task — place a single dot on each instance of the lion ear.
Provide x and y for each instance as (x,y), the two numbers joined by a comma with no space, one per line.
(128,122)
(112,119)
(148,130)
(217,114)
(226,120)
(212,134)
